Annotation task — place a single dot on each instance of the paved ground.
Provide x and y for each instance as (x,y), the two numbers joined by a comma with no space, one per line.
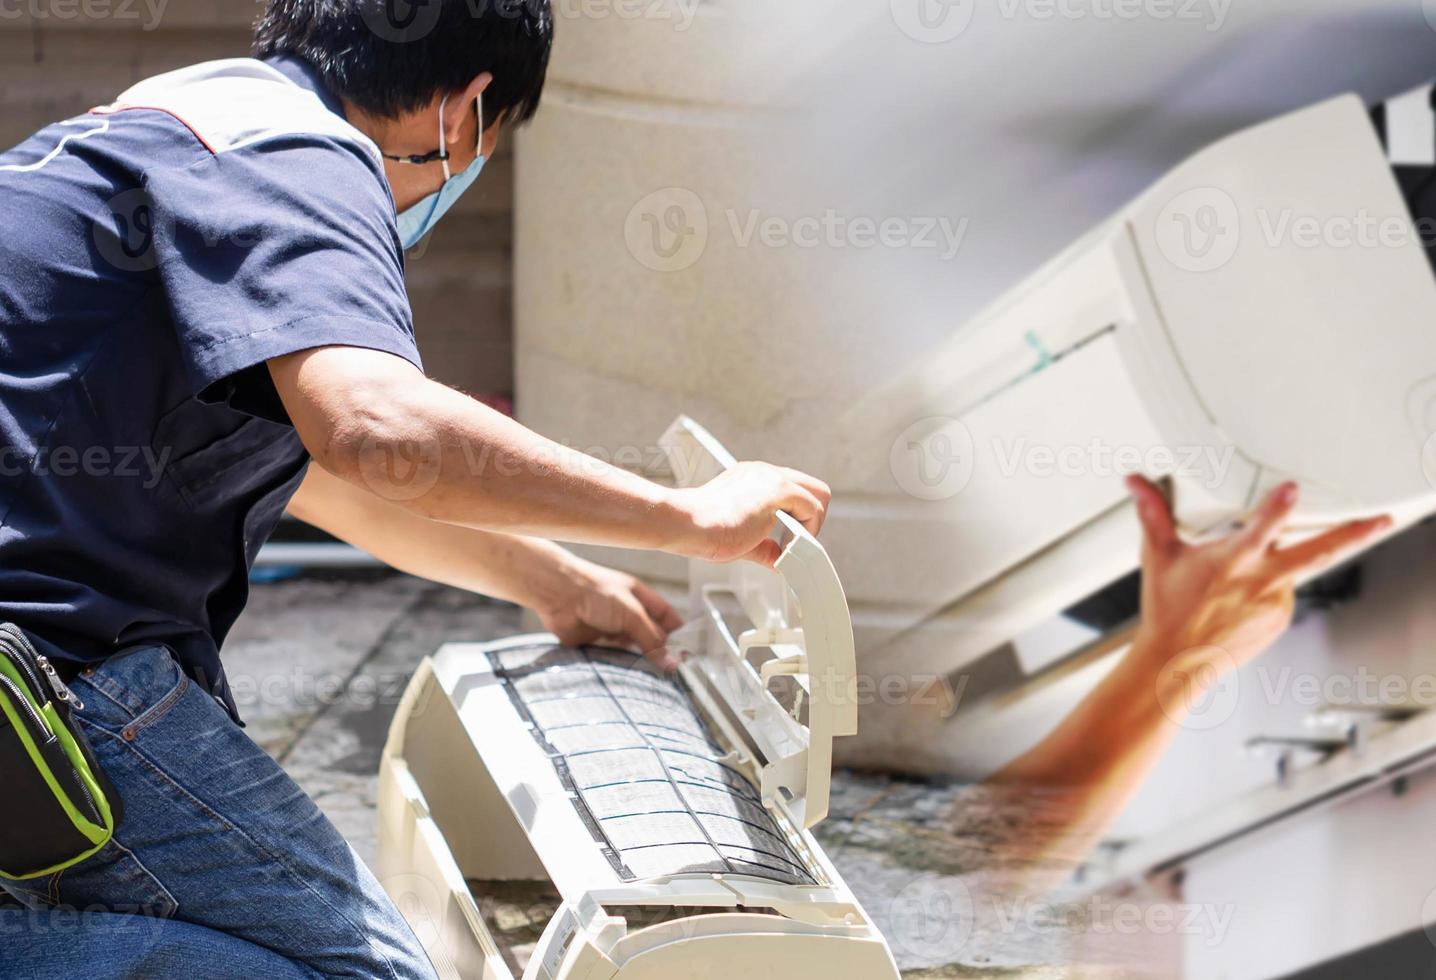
(319,664)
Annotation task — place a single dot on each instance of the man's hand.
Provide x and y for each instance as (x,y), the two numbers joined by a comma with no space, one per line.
(732,515)
(1209,608)
(586,603)
(576,599)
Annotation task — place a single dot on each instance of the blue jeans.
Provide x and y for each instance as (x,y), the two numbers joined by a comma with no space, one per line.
(221,867)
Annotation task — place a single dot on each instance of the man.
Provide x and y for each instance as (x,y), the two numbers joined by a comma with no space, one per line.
(203,322)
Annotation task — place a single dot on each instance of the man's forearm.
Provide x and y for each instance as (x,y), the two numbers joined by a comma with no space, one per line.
(524,570)
(436,452)
(1109,733)
(448,458)
(1095,760)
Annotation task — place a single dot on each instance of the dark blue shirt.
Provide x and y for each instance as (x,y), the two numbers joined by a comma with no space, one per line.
(155,254)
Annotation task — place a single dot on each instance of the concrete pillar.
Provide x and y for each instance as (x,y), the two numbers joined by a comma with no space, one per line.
(644,287)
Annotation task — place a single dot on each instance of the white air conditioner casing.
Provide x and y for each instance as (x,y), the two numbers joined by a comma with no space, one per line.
(670,817)
(1263,313)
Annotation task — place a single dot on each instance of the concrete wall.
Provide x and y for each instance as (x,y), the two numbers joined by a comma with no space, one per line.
(59,57)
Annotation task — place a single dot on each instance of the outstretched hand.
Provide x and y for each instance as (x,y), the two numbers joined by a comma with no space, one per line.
(1223,602)
(1206,609)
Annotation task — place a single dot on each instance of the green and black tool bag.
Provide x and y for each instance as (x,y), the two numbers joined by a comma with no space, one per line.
(57,807)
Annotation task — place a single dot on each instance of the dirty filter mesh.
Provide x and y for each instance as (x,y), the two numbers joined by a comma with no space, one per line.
(642,766)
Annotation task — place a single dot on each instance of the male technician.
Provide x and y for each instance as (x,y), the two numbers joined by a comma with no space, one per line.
(202,322)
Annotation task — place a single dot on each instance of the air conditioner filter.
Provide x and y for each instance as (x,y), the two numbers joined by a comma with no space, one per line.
(647,776)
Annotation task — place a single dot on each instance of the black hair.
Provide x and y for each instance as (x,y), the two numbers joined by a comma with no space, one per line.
(389,57)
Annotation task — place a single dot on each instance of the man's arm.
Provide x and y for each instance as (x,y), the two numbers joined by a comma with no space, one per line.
(1206,610)
(579,601)
(375,421)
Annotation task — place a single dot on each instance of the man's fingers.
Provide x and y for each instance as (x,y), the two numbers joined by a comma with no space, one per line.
(1158,528)
(658,607)
(577,635)
(805,498)
(1265,524)
(766,553)
(663,659)
(820,490)
(1316,555)
(816,497)
(646,634)
(806,508)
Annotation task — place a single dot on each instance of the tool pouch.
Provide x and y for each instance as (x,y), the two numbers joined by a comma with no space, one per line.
(58,807)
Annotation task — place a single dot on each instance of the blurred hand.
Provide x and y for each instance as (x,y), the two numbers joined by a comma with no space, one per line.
(732,515)
(1211,607)
(596,604)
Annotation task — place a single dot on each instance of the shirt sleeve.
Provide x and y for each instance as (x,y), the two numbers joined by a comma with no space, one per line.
(275,248)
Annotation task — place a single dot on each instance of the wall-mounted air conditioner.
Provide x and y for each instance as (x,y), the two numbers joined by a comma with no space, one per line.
(1263,313)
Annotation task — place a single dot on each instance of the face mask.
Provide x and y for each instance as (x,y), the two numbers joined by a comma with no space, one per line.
(419,220)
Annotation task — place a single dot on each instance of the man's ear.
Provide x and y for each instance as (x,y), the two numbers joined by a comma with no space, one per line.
(456,110)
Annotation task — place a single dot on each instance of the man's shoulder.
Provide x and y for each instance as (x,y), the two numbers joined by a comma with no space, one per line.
(237,104)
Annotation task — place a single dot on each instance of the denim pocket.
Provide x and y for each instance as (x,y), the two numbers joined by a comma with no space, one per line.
(131,690)
(157,710)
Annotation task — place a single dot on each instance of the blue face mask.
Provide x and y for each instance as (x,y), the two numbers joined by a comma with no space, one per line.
(419,220)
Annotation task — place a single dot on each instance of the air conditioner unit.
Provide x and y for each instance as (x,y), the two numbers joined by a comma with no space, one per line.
(658,828)
(1263,313)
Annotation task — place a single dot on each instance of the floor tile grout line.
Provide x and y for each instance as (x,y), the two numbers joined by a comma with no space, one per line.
(370,654)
